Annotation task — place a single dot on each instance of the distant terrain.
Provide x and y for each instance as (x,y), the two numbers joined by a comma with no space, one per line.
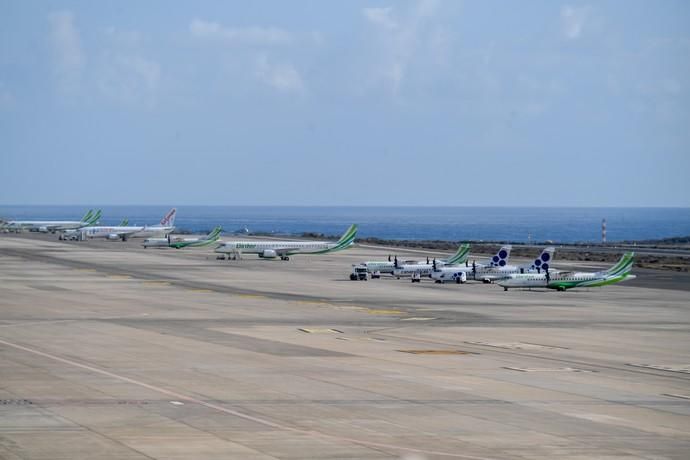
(664,254)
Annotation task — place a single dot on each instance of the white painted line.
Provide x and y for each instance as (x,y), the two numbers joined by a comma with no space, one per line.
(261,421)
(177,403)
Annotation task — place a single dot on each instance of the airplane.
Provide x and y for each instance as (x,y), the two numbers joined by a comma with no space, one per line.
(179,243)
(124,232)
(53,226)
(569,280)
(498,260)
(388,266)
(489,273)
(269,249)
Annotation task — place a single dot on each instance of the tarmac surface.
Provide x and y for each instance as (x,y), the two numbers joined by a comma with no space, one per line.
(111,351)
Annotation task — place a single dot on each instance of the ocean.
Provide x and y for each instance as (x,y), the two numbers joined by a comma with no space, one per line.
(521,224)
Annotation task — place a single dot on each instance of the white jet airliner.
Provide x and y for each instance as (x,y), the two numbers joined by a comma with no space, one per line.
(124,232)
(269,249)
(52,226)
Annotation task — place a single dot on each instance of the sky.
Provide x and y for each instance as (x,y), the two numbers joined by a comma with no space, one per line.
(429,102)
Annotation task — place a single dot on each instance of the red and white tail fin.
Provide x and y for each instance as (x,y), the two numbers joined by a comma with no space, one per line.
(169,219)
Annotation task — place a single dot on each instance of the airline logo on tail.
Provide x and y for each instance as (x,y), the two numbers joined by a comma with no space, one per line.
(501,257)
(91,218)
(460,256)
(213,236)
(169,219)
(622,267)
(544,260)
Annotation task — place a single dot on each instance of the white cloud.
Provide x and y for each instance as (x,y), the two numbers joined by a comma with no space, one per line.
(573,21)
(403,37)
(6,96)
(69,59)
(129,79)
(239,35)
(283,77)
(381,17)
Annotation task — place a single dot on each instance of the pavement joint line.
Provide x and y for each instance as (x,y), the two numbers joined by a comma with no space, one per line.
(674,395)
(179,397)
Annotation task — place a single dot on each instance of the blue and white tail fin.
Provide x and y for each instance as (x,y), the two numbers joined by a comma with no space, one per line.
(500,259)
(543,262)
(169,219)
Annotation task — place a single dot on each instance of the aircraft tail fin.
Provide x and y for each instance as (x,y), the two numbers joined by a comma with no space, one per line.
(169,219)
(623,266)
(124,222)
(543,262)
(87,216)
(460,256)
(500,259)
(214,235)
(347,239)
(94,218)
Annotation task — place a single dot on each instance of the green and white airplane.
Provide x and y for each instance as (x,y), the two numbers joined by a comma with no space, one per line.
(570,280)
(179,243)
(53,226)
(269,249)
(382,266)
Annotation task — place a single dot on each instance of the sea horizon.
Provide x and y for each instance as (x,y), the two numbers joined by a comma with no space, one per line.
(447,223)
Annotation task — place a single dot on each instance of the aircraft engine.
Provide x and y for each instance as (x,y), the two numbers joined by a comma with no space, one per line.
(43,229)
(268,254)
(113,236)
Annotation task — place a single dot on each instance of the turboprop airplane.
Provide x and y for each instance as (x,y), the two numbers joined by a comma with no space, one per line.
(498,260)
(569,280)
(269,249)
(123,232)
(489,273)
(459,257)
(53,226)
(179,243)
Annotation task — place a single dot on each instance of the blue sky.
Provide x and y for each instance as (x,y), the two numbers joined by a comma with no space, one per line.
(345,103)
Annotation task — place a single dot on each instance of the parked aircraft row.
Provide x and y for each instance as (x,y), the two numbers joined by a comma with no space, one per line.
(538,273)
(52,226)
(455,268)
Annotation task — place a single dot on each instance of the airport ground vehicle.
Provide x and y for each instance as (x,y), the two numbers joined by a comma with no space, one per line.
(359,272)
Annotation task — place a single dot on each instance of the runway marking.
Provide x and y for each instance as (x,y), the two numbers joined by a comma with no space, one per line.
(682,368)
(673,395)
(372,311)
(547,369)
(179,397)
(438,352)
(157,283)
(320,331)
(177,403)
(517,345)
(417,318)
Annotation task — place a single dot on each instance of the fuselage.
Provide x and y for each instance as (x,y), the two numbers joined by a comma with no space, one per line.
(564,280)
(113,232)
(264,248)
(480,273)
(43,225)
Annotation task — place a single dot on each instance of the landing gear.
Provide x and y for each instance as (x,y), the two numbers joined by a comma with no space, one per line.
(505,288)
(284,257)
